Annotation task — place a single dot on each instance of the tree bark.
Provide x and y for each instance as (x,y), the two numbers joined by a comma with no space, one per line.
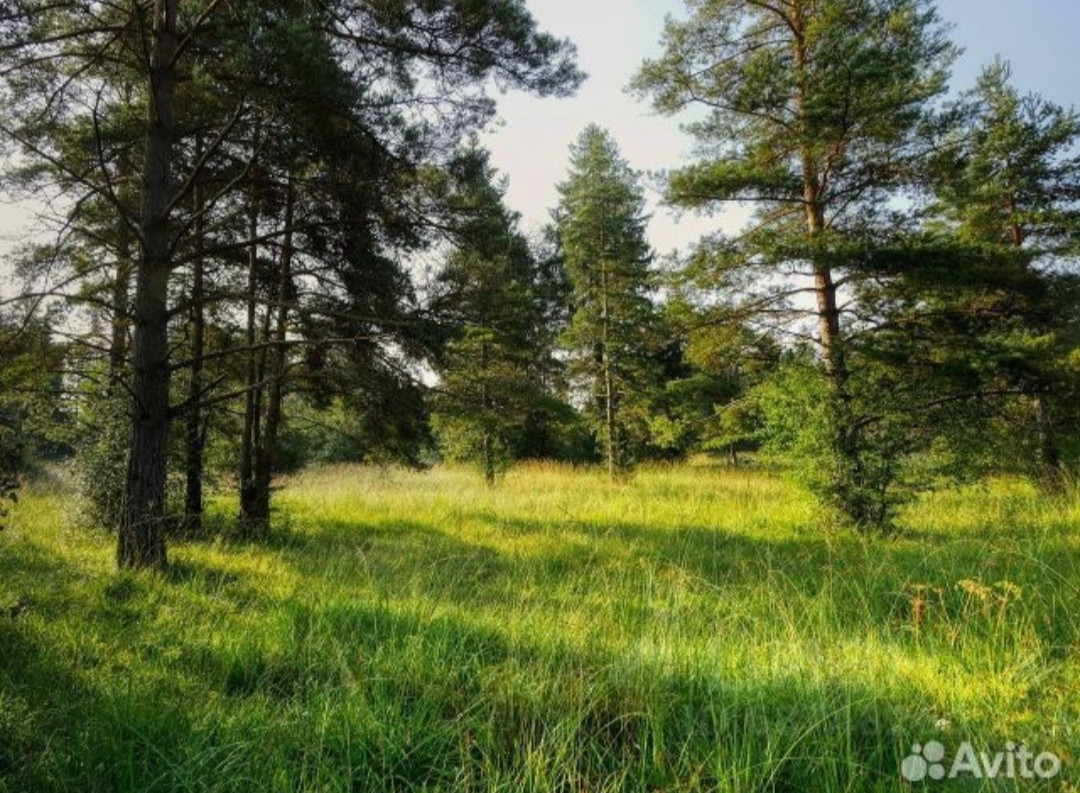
(610,418)
(813,199)
(195,434)
(848,480)
(609,406)
(247,440)
(257,517)
(121,291)
(1049,456)
(142,531)
(485,402)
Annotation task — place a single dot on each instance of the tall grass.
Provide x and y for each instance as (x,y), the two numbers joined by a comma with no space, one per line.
(694,629)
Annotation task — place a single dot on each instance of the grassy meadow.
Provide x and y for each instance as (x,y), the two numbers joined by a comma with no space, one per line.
(697,629)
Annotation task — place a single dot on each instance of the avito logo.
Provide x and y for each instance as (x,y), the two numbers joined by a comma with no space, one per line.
(930,761)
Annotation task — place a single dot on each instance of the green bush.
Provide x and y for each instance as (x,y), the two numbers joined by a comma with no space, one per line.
(102,436)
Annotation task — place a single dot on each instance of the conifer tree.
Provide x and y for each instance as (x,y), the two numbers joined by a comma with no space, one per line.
(600,224)
(813,114)
(1007,187)
(487,384)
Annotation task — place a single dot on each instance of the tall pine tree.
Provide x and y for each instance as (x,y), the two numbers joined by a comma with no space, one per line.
(812,115)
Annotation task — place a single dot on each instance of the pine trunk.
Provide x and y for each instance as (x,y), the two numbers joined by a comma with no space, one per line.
(1050,469)
(847,481)
(247,439)
(257,517)
(194,435)
(142,530)
(485,401)
(613,462)
(121,291)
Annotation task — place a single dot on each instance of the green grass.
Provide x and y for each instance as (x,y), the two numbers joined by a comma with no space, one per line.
(695,629)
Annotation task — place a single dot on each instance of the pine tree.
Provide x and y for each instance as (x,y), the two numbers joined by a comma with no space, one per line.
(554,430)
(814,112)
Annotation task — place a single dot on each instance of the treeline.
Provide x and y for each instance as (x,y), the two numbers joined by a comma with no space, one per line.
(270,238)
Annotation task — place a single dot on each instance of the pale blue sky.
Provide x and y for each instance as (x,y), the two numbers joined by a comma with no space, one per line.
(1039,37)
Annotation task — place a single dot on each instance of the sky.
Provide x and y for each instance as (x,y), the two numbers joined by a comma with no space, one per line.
(530,144)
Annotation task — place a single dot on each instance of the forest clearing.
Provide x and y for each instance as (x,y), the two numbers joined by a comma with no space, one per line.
(416,631)
(523,396)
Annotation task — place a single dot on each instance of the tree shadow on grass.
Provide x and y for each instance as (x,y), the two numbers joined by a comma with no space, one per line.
(441,703)
(395,557)
(865,584)
(240,590)
(330,646)
(41,695)
(38,698)
(721,555)
(350,693)
(868,583)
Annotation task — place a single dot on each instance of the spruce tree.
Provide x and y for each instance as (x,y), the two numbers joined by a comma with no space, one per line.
(490,300)
(1006,187)
(600,224)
